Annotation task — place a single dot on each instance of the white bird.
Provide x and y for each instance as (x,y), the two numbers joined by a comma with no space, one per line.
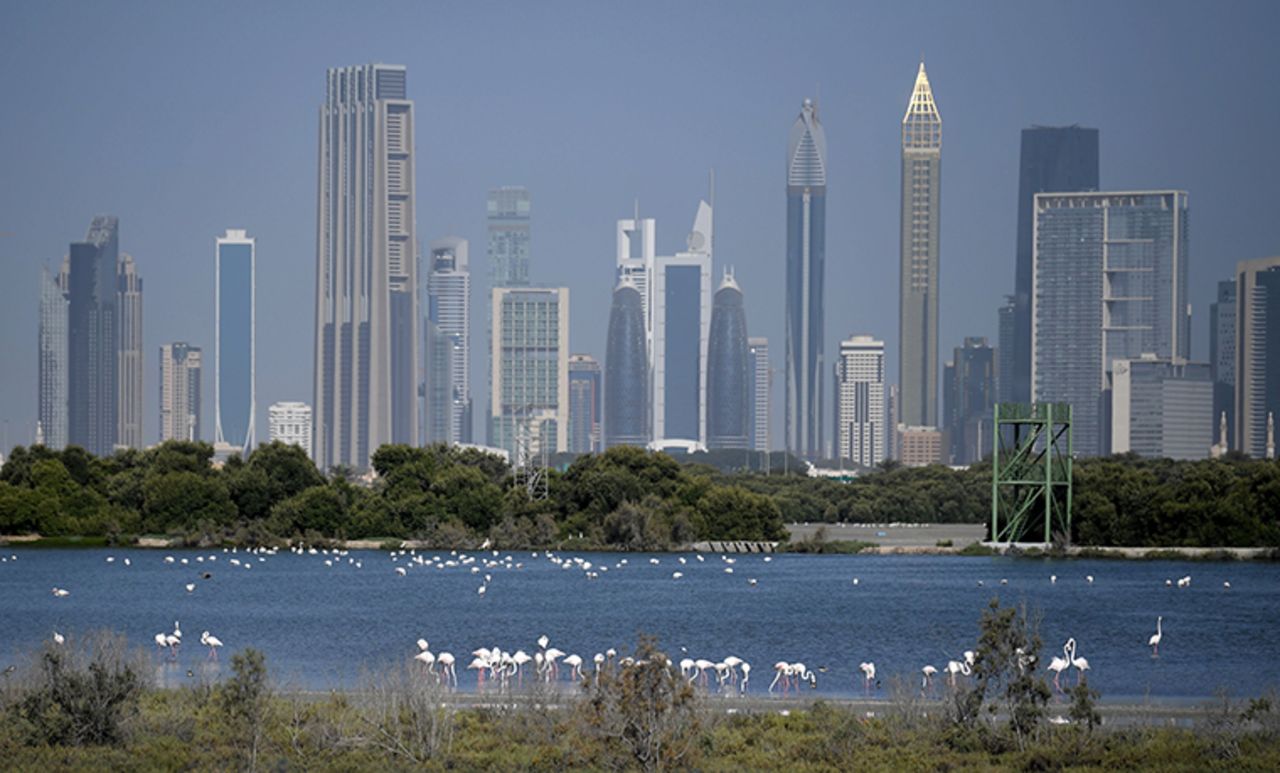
(191,586)
(751,581)
(1226,584)
(1057,666)
(127,562)
(61,592)
(868,674)
(447,672)
(422,644)
(543,641)
(1089,578)
(746,676)
(400,570)
(1080,664)
(427,658)
(728,570)
(212,642)
(482,589)
(1154,641)
(1053,578)
(58,638)
(929,672)
(677,575)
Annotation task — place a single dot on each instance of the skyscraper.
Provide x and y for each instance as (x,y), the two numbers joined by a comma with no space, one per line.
(806,257)
(759,387)
(179,392)
(1111,284)
(626,380)
(129,370)
(93,340)
(862,433)
(969,398)
(920,221)
(1257,352)
(530,404)
(1222,359)
(584,404)
(729,398)
(508,212)
(52,405)
(290,422)
(1006,326)
(1053,160)
(635,261)
(1161,408)
(235,402)
(681,310)
(366,275)
(448,310)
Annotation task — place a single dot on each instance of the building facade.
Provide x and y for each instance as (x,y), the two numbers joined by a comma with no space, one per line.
(290,422)
(180,368)
(681,310)
(970,396)
(1110,284)
(585,414)
(509,210)
(1161,409)
(447,335)
(920,237)
(1005,331)
(729,397)
(93,339)
(529,412)
(1054,159)
(234,363)
(919,446)
(626,379)
(1222,359)
(861,431)
(759,390)
(366,276)
(806,259)
(1257,365)
(52,347)
(129,370)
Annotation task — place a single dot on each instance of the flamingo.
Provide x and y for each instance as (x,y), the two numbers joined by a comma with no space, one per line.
(746,676)
(1060,664)
(575,667)
(780,672)
(1080,664)
(520,658)
(58,638)
(191,586)
(479,666)
(61,592)
(802,673)
(868,675)
(955,667)
(1154,641)
(447,672)
(927,682)
(549,660)
(212,643)
(160,641)
(686,665)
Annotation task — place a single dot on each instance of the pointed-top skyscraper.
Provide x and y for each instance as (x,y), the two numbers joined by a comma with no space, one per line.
(728,399)
(918,298)
(806,253)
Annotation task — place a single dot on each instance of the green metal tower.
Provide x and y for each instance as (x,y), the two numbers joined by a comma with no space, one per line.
(1031,458)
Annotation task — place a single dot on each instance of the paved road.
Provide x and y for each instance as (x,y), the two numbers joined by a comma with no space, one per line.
(901,535)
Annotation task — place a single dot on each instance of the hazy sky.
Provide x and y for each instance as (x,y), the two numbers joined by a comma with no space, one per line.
(187,118)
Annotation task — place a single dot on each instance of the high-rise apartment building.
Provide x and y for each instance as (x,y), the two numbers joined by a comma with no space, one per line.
(1110,284)
(759,388)
(1053,160)
(93,339)
(129,369)
(806,258)
(970,395)
(920,226)
(235,399)
(1257,365)
(861,434)
(1222,359)
(52,404)
(585,405)
(728,377)
(681,310)
(893,448)
(1005,344)
(366,275)
(1161,408)
(529,410)
(180,367)
(448,342)
(508,216)
(626,380)
(919,446)
(290,422)
(635,260)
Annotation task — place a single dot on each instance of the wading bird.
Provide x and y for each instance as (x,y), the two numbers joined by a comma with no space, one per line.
(1154,641)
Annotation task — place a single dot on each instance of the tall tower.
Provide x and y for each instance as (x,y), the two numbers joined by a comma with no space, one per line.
(636,255)
(179,392)
(52,405)
(508,210)
(1257,361)
(1222,360)
(1006,327)
(366,321)
(1111,284)
(235,266)
(760,386)
(968,402)
(584,404)
(1053,160)
(918,294)
(728,395)
(806,256)
(680,305)
(530,404)
(860,404)
(626,378)
(129,309)
(448,312)
(93,339)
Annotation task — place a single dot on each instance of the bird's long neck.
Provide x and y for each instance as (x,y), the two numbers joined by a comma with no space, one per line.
(1159,620)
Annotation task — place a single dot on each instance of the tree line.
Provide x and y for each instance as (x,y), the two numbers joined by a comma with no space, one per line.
(625,498)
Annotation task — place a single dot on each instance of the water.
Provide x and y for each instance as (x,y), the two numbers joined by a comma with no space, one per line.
(322,626)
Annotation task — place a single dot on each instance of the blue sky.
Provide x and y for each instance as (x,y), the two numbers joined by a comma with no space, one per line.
(187,118)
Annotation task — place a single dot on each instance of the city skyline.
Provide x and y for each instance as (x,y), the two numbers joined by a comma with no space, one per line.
(1128,148)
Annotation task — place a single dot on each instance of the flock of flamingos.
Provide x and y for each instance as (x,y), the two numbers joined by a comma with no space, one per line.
(498,668)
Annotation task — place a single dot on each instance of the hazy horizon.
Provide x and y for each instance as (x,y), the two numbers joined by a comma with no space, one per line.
(186,120)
